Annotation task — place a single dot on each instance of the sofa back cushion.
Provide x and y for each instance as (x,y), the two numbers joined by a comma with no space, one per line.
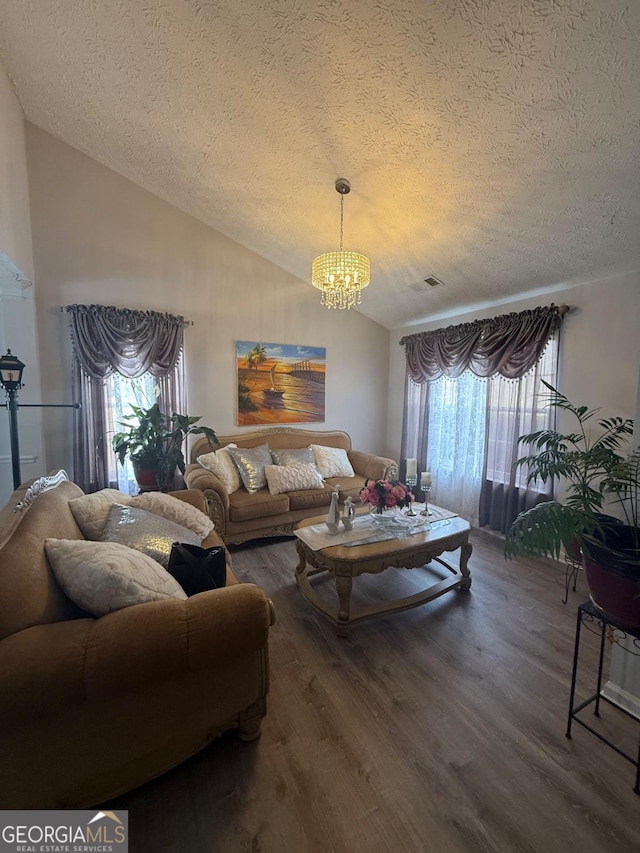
(276,438)
(29,592)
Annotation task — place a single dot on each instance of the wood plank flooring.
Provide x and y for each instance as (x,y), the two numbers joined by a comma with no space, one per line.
(436,730)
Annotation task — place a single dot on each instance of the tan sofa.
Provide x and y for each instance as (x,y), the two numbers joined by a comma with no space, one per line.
(241,516)
(90,708)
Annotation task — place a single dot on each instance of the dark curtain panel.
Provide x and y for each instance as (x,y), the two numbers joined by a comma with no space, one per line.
(89,432)
(508,345)
(414,425)
(106,340)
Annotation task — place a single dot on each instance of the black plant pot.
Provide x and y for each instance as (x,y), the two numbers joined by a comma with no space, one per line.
(611,560)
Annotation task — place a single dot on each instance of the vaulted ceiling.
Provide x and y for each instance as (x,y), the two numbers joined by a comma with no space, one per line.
(493,144)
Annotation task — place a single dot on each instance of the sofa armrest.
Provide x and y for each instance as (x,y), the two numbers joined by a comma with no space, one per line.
(373,467)
(164,639)
(192,496)
(215,494)
(197,477)
(48,668)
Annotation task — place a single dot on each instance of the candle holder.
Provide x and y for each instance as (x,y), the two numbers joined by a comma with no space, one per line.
(427,493)
(411,482)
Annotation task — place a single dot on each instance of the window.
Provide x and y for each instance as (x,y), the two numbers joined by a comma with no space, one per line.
(119,394)
(516,407)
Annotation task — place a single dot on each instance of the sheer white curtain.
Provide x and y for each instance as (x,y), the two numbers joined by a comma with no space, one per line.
(456,441)
(514,408)
(120,393)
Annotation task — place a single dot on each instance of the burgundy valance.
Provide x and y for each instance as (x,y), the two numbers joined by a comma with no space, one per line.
(106,340)
(508,345)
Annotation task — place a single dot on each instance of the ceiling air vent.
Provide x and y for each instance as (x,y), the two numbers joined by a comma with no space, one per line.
(426,284)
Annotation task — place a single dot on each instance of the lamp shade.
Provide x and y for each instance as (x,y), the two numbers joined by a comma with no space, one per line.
(11,371)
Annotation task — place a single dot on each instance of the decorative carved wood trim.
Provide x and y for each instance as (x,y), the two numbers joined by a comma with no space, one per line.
(13,513)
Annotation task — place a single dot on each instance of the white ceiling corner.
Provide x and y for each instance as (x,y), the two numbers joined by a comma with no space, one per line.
(491,143)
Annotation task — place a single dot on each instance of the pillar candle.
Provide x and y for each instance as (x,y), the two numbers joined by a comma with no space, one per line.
(412,467)
(425,480)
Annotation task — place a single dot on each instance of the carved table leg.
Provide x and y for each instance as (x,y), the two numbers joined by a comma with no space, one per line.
(344,584)
(465,552)
(302,562)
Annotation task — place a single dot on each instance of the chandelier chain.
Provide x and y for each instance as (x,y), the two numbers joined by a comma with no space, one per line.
(341,217)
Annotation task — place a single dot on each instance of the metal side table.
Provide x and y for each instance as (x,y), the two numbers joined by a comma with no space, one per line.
(589,615)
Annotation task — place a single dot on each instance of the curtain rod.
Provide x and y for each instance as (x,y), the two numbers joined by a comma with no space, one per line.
(186,322)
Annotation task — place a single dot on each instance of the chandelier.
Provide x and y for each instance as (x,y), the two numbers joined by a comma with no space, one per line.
(340,276)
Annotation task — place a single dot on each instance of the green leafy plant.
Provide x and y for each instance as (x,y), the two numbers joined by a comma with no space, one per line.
(154,440)
(586,459)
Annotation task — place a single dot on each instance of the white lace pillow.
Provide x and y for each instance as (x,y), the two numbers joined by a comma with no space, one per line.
(101,577)
(92,511)
(332,461)
(221,464)
(292,478)
(173,509)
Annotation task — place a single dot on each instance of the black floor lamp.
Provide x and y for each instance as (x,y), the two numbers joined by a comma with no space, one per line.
(11,379)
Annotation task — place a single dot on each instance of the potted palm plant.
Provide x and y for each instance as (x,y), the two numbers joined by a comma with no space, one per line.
(153,441)
(590,460)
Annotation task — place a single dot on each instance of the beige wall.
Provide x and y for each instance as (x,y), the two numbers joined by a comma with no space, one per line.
(600,351)
(15,225)
(17,317)
(100,238)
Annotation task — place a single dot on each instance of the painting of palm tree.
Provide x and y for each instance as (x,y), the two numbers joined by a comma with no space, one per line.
(280,383)
(256,356)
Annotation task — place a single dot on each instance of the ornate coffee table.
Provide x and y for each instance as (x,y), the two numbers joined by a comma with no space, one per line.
(408,552)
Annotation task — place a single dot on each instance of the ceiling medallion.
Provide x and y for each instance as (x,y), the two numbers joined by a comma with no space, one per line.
(340,276)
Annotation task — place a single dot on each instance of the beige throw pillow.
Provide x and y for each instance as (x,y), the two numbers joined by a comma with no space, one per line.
(173,509)
(221,464)
(91,511)
(292,478)
(101,577)
(332,461)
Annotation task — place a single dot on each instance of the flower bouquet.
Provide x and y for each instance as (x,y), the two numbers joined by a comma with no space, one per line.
(385,494)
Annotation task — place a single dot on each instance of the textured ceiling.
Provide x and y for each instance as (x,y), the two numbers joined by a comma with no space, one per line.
(491,143)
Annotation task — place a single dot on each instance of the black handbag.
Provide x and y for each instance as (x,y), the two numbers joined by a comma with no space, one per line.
(198,569)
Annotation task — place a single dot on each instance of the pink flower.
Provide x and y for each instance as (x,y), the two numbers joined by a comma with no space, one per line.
(373,498)
(399,492)
(391,499)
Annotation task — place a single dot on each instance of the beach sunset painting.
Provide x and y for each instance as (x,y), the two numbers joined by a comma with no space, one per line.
(280,383)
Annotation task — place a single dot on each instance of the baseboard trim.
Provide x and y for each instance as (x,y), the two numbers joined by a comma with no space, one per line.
(627,701)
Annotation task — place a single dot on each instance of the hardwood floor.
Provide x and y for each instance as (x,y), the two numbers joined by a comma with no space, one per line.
(440,729)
